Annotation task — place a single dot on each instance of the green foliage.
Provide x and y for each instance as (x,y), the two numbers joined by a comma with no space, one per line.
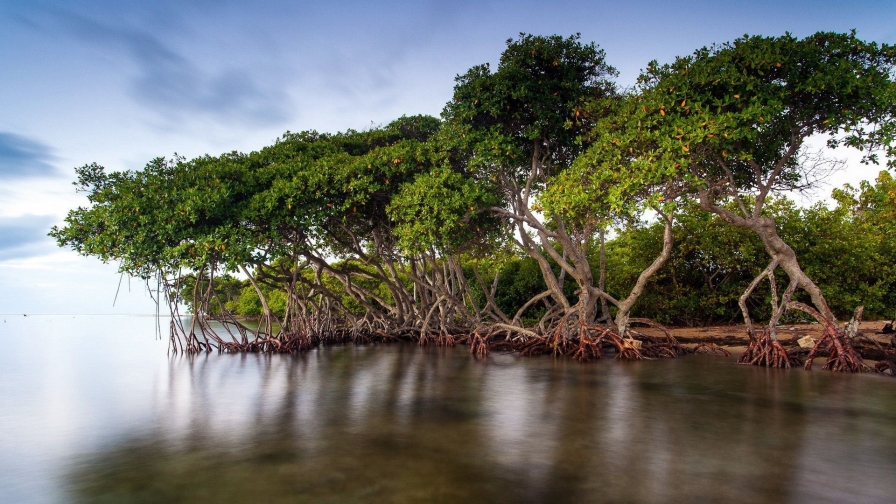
(532,109)
(729,110)
(441,209)
(712,262)
(539,92)
(239,209)
(226,288)
(248,304)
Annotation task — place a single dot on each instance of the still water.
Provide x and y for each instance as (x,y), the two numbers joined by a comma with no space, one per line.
(92,410)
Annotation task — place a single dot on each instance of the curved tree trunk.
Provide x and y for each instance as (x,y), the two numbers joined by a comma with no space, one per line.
(624,306)
(778,250)
(765,349)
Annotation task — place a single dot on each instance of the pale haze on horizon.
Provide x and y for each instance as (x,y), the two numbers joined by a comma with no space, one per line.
(119,83)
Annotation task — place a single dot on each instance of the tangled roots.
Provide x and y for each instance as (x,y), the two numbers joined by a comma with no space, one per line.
(768,352)
(842,356)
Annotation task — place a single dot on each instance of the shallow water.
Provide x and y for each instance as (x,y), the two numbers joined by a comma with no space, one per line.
(92,410)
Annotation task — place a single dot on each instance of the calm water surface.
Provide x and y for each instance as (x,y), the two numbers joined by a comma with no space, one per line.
(92,410)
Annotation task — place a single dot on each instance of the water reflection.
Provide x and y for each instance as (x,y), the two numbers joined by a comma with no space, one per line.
(403,424)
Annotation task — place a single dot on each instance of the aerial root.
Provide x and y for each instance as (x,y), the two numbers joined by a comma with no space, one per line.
(361,338)
(566,337)
(286,343)
(626,348)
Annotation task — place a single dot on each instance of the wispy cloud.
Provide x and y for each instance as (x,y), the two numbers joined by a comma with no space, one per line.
(25,236)
(21,157)
(169,82)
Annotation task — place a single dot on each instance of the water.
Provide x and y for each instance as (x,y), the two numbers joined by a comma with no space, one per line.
(92,410)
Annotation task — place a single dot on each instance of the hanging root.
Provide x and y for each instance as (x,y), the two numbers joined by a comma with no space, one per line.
(842,356)
(768,352)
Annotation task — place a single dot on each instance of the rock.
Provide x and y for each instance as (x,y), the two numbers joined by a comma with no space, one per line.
(806,342)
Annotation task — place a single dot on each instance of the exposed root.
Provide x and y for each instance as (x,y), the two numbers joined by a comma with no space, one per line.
(629,351)
(446,339)
(842,356)
(588,348)
(478,345)
(557,343)
(711,349)
(360,338)
(533,346)
(626,348)
(655,348)
(566,337)
(768,352)
(672,348)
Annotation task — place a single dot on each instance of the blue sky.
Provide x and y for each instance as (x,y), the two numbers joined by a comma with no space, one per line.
(121,82)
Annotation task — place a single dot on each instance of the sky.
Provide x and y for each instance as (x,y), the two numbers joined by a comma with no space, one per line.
(119,82)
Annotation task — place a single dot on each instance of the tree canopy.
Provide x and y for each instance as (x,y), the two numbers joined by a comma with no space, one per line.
(417,227)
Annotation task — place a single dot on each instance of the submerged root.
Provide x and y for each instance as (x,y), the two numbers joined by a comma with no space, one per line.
(768,352)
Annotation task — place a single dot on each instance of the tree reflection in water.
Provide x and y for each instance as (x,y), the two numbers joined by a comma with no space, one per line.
(403,424)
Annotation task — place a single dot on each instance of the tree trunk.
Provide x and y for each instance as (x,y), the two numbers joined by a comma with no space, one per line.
(625,305)
(602,279)
(777,249)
